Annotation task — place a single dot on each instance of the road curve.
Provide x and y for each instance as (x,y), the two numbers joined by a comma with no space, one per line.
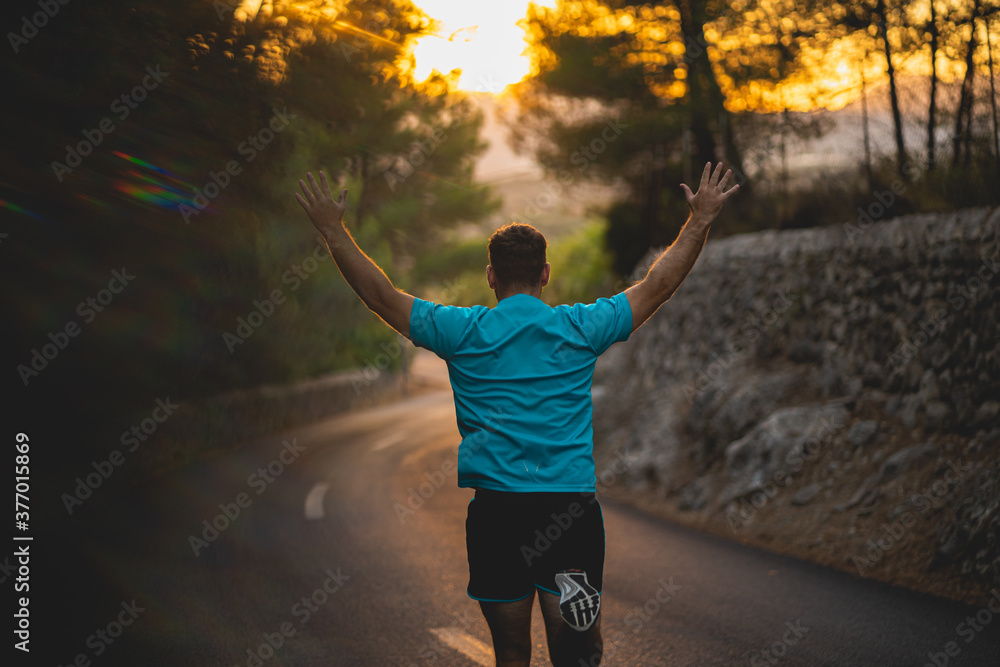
(348,549)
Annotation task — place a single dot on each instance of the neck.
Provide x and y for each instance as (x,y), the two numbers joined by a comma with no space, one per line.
(502,294)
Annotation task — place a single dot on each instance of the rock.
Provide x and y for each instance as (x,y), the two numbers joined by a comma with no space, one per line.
(694,496)
(986,414)
(805,495)
(868,493)
(964,408)
(928,387)
(971,538)
(939,415)
(908,412)
(874,375)
(721,414)
(788,434)
(862,432)
(940,354)
(806,352)
(902,460)
(944,381)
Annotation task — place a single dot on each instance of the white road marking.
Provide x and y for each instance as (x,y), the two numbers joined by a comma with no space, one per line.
(467,645)
(314,501)
(389,441)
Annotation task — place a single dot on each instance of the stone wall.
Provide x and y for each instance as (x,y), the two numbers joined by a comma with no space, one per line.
(807,379)
(229,420)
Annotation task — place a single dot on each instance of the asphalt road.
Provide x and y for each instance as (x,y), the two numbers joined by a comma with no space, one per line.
(323,566)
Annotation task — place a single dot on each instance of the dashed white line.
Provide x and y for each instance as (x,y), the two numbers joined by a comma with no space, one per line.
(314,500)
(467,645)
(389,441)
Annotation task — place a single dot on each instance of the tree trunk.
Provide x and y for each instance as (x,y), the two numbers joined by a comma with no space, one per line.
(864,129)
(993,94)
(893,97)
(933,29)
(653,194)
(699,80)
(965,97)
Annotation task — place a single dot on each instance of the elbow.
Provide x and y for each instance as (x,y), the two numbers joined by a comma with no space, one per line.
(379,299)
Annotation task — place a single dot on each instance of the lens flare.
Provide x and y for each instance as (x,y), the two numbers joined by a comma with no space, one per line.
(168,192)
(11,206)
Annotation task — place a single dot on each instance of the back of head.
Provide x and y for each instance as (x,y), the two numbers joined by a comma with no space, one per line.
(517,255)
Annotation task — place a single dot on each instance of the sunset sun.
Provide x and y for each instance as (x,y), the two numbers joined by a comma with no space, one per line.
(482,40)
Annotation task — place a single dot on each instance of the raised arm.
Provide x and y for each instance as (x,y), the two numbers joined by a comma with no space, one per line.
(364,276)
(672,266)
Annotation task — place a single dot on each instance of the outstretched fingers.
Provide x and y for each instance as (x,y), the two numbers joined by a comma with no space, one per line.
(326,185)
(302,202)
(309,196)
(705,175)
(715,175)
(315,186)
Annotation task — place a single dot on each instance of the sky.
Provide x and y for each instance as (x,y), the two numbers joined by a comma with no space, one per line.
(480,37)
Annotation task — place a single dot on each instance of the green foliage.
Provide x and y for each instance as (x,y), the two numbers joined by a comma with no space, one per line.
(581,267)
(347,107)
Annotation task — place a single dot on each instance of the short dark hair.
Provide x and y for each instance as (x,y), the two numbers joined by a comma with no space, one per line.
(517,255)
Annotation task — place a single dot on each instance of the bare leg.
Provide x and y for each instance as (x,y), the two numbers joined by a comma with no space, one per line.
(510,625)
(569,647)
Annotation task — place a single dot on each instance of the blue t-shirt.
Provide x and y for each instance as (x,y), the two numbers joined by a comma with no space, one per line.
(521,374)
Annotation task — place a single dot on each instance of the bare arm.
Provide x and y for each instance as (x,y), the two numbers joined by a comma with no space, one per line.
(367,280)
(672,266)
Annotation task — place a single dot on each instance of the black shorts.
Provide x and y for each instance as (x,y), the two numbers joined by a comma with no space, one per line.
(517,541)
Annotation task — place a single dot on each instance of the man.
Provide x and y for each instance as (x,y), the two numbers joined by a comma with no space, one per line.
(521,374)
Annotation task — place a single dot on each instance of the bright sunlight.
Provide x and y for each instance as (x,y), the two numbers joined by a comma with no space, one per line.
(482,39)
